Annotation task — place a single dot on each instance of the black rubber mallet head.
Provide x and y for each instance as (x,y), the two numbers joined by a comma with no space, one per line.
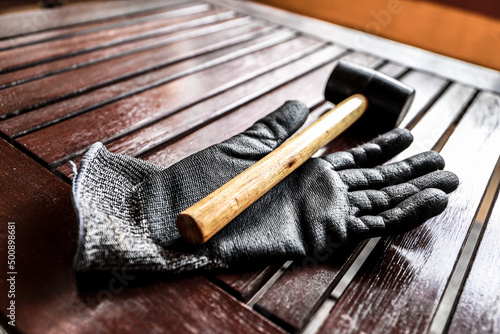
(388,101)
(388,98)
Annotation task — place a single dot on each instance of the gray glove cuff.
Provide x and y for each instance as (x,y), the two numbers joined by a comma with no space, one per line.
(109,236)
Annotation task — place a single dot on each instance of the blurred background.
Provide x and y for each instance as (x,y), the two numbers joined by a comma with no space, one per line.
(464,29)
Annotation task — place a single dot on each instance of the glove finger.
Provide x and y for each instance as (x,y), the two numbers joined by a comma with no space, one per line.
(407,215)
(375,201)
(394,173)
(268,133)
(373,153)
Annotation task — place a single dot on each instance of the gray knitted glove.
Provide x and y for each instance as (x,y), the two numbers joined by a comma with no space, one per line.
(127,208)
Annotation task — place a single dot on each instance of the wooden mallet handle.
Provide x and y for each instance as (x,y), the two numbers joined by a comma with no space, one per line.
(201,221)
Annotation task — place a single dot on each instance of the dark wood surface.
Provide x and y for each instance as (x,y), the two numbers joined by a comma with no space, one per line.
(245,284)
(191,23)
(106,72)
(318,278)
(165,79)
(138,110)
(407,275)
(160,23)
(478,310)
(19,24)
(51,299)
(81,28)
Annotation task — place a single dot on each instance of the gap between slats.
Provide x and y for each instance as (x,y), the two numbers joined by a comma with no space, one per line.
(196,27)
(448,303)
(399,303)
(219,105)
(433,114)
(83,28)
(421,104)
(23,57)
(38,18)
(55,158)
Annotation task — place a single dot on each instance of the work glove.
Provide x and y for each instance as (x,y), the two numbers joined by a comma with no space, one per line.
(127,207)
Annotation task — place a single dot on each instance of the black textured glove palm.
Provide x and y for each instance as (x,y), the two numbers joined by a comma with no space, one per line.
(127,208)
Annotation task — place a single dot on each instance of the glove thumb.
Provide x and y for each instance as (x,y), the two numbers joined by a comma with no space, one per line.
(268,133)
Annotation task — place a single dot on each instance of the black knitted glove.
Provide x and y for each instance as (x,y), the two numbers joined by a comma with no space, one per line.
(127,208)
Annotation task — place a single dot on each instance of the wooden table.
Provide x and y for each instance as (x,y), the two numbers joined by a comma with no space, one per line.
(160,80)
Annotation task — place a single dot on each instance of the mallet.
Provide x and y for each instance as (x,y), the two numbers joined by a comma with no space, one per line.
(388,101)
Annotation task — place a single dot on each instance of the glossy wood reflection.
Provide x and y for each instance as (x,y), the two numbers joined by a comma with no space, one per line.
(406,277)
(202,24)
(161,80)
(155,103)
(478,309)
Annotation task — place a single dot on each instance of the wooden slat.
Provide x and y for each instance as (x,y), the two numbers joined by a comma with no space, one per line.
(308,88)
(294,298)
(84,28)
(439,118)
(478,309)
(80,80)
(165,22)
(16,24)
(466,73)
(400,287)
(425,95)
(246,283)
(394,70)
(42,117)
(195,116)
(130,113)
(300,291)
(50,299)
(190,28)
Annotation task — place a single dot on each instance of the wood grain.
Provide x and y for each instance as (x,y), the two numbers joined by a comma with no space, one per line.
(193,117)
(189,59)
(425,96)
(83,79)
(32,54)
(80,29)
(400,288)
(300,291)
(51,299)
(478,309)
(243,117)
(138,110)
(42,20)
(245,283)
(192,28)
